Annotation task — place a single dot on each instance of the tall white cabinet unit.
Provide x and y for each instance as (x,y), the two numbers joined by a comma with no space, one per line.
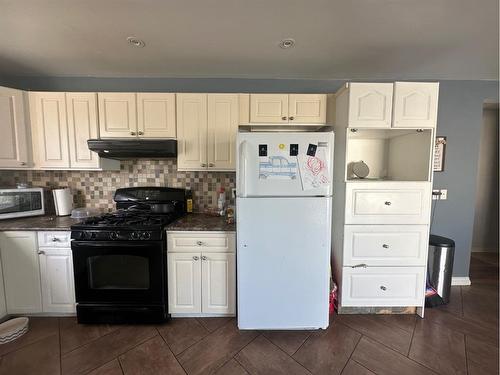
(381,222)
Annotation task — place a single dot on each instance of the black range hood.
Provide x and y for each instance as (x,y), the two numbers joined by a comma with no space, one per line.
(134,148)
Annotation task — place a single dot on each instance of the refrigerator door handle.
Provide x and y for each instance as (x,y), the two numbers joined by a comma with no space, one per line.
(242,169)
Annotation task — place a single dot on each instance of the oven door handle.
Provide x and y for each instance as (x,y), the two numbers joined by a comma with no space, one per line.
(94,244)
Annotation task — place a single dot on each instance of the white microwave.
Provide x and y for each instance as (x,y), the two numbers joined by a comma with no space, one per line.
(21,202)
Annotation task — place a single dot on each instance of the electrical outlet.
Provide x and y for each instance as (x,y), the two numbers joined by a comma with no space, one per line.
(436,193)
(444,194)
(439,194)
(233,193)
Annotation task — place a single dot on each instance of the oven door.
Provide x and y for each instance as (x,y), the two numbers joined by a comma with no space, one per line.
(121,272)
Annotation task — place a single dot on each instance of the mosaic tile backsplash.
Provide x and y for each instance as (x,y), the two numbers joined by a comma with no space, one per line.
(95,188)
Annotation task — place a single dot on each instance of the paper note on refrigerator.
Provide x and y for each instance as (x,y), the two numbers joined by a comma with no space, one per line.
(313,170)
(277,167)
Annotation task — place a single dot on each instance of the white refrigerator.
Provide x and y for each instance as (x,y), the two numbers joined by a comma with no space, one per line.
(284,219)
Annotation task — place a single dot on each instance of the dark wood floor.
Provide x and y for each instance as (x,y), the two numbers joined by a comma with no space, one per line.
(461,338)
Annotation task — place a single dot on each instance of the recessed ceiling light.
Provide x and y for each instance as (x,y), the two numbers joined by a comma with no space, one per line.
(287,43)
(136,42)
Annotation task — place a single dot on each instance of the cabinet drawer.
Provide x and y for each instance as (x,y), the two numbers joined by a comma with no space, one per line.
(392,203)
(54,239)
(385,245)
(383,286)
(201,241)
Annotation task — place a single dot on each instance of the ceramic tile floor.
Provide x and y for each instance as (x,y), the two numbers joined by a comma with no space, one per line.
(460,338)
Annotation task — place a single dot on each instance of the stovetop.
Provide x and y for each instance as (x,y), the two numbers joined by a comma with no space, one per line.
(123,225)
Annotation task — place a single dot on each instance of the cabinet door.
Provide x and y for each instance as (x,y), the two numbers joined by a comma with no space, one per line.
(191,131)
(222,129)
(14,140)
(21,272)
(156,115)
(50,129)
(184,282)
(370,105)
(117,115)
(82,125)
(307,108)
(415,104)
(218,283)
(56,274)
(269,108)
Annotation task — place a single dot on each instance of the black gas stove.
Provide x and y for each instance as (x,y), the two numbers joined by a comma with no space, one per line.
(119,258)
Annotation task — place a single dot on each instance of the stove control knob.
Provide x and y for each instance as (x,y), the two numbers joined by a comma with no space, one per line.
(113,235)
(135,235)
(145,236)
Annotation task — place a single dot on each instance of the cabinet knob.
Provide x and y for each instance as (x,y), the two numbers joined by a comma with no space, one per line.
(132,133)
(211,165)
(55,239)
(203,165)
(291,118)
(361,265)
(23,163)
(387,203)
(199,243)
(41,252)
(203,257)
(385,246)
(383,287)
(141,133)
(284,118)
(196,257)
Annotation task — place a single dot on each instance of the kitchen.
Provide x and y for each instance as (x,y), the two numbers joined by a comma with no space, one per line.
(234,226)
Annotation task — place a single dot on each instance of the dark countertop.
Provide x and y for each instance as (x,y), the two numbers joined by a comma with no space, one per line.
(38,223)
(201,222)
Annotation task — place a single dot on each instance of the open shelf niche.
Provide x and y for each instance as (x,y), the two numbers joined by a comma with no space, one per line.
(390,154)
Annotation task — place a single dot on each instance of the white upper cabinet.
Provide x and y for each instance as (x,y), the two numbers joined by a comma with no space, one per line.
(307,108)
(49,129)
(370,105)
(82,125)
(192,131)
(222,129)
(117,115)
(13,127)
(269,108)
(287,109)
(415,104)
(156,115)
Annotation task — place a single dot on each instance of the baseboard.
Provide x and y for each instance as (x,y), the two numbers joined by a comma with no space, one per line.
(456,281)
(485,249)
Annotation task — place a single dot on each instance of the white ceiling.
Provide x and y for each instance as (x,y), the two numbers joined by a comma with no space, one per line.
(335,39)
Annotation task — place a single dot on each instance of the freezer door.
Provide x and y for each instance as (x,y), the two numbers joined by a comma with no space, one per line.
(283,258)
(267,166)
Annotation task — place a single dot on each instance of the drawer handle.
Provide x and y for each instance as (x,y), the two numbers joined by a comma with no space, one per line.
(41,252)
(292,118)
(55,239)
(283,118)
(199,243)
(362,265)
(203,257)
(385,246)
(387,203)
(196,257)
(383,287)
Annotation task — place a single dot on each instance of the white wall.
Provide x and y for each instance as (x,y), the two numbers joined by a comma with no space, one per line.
(485,235)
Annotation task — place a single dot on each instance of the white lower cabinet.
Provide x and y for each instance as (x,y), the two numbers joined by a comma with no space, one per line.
(201,282)
(218,283)
(56,275)
(38,275)
(21,272)
(184,281)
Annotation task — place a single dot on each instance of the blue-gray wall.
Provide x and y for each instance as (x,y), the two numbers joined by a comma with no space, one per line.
(460,120)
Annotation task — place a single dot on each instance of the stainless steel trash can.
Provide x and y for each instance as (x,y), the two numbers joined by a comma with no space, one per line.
(440,265)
